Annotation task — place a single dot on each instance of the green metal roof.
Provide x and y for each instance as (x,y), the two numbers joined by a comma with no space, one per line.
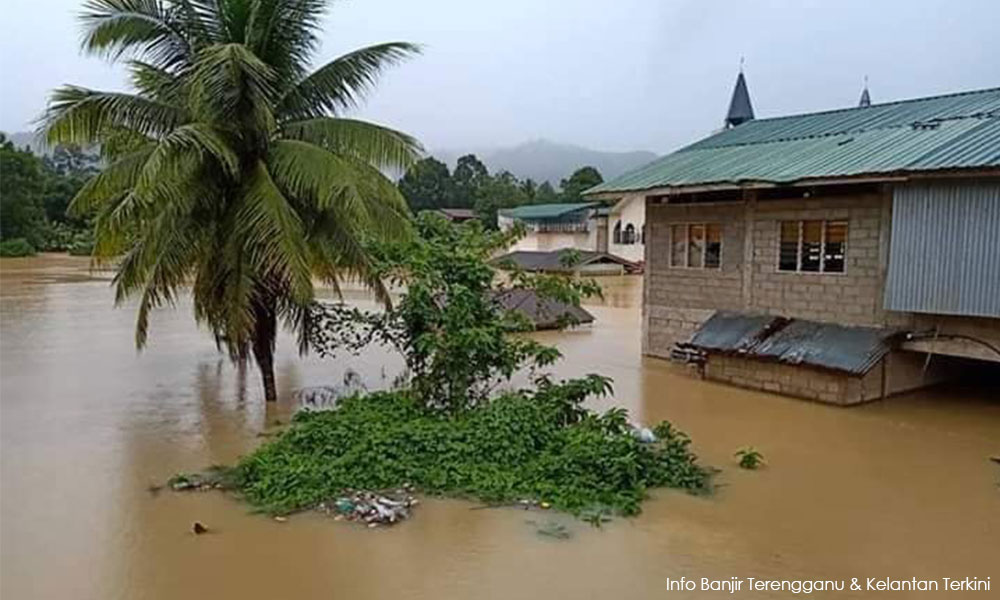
(955,131)
(545,211)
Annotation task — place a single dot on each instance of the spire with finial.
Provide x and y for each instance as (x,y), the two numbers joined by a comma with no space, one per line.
(740,109)
(866,100)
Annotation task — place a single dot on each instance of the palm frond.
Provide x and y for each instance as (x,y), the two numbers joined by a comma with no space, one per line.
(114,180)
(230,83)
(80,116)
(376,145)
(116,28)
(283,33)
(273,233)
(342,83)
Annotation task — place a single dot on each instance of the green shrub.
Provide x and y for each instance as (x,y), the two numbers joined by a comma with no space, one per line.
(749,458)
(519,446)
(16,247)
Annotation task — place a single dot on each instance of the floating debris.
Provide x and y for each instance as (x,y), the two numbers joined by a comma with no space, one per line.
(552,529)
(996,459)
(281,519)
(198,528)
(644,435)
(371,508)
(216,477)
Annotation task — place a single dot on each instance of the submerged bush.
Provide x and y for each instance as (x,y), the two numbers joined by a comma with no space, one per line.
(16,247)
(537,445)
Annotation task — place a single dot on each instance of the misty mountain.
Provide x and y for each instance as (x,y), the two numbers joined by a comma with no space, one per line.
(543,160)
(21,139)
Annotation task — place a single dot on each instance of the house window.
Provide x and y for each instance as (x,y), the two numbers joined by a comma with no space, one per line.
(812,246)
(696,245)
(617,236)
(629,237)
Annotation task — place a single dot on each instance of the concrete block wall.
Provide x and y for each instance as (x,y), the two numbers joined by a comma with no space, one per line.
(853,297)
(903,371)
(679,299)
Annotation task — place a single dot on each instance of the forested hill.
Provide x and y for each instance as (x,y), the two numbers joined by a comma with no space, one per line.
(542,160)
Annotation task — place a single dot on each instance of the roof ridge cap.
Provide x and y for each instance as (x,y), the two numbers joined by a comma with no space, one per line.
(876,105)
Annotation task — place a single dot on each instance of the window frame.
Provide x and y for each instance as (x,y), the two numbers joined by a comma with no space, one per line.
(824,223)
(687,244)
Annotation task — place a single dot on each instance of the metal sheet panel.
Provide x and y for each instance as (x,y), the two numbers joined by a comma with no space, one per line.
(944,255)
(853,350)
(927,134)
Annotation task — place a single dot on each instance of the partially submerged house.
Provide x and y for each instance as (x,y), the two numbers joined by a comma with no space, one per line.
(457,215)
(580,225)
(542,311)
(836,255)
(567,260)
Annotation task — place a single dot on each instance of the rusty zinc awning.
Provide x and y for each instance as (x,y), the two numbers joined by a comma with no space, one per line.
(852,350)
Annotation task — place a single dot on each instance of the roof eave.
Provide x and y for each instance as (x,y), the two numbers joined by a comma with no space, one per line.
(887,177)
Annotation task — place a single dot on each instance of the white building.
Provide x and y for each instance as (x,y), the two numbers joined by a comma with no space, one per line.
(583,226)
(627,220)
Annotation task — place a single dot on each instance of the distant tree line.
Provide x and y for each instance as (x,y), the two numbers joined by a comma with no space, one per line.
(34,195)
(429,184)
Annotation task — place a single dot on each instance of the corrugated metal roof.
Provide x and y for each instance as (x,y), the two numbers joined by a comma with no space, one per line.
(545,211)
(733,332)
(544,312)
(945,249)
(925,134)
(852,350)
(558,260)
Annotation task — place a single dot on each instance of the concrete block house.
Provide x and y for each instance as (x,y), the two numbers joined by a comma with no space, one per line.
(841,256)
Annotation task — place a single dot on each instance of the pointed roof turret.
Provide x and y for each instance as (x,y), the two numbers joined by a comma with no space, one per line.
(866,99)
(740,109)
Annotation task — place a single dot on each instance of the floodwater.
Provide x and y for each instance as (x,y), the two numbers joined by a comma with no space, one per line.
(900,489)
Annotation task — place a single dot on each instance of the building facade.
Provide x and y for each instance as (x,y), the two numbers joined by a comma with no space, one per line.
(881,217)
(627,221)
(548,227)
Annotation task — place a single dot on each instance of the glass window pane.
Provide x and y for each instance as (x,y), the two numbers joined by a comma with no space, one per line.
(788,253)
(713,246)
(812,243)
(678,250)
(696,246)
(836,243)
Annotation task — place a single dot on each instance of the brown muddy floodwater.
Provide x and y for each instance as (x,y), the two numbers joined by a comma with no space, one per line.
(899,489)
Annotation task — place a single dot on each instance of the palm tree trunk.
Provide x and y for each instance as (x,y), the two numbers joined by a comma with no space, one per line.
(263,345)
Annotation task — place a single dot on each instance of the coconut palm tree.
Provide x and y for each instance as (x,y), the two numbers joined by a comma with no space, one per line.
(230,168)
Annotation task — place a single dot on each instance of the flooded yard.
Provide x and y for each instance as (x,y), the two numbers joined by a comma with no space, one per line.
(901,488)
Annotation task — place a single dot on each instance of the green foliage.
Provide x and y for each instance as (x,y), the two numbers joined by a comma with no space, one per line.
(428,185)
(749,458)
(578,182)
(455,337)
(34,194)
(16,247)
(518,446)
(230,166)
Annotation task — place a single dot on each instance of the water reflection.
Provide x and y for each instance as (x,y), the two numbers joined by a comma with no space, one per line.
(900,488)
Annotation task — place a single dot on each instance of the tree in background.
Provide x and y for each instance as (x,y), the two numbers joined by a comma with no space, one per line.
(34,193)
(546,194)
(428,185)
(230,168)
(470,177)
(21,189)
(503,190)
(581,180)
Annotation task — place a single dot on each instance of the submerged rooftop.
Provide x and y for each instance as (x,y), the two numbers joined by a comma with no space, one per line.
(953,131)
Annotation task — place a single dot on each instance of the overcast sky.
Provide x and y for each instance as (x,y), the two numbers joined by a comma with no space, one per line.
(611,75)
